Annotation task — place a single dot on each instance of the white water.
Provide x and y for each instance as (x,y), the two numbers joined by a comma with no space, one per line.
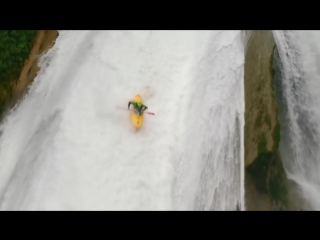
(67,147)
(299,52)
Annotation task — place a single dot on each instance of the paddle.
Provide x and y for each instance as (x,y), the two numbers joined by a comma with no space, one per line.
(150,113)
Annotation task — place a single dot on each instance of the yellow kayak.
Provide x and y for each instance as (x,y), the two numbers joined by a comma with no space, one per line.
(136,119)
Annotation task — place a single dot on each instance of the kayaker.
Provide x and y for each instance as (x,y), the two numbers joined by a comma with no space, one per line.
(139,107)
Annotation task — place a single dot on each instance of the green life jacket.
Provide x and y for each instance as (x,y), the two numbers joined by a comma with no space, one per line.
(135,104)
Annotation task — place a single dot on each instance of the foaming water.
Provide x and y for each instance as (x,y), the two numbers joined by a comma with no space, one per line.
(299,101)
(68,147)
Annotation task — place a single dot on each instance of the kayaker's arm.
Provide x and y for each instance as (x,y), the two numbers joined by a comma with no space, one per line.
(129,104)
(144,107)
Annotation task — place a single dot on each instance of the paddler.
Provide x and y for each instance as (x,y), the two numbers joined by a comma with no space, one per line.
(139,107)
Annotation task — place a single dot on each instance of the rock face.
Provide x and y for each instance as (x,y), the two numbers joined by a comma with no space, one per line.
(265,179)
(261,109)
(44,41)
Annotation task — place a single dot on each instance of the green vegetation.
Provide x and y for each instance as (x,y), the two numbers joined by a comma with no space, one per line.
(276,137)
(277,187)
(259,171)
(262,145)
(259,168)
(272,70)
(268,174)
(15,46)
